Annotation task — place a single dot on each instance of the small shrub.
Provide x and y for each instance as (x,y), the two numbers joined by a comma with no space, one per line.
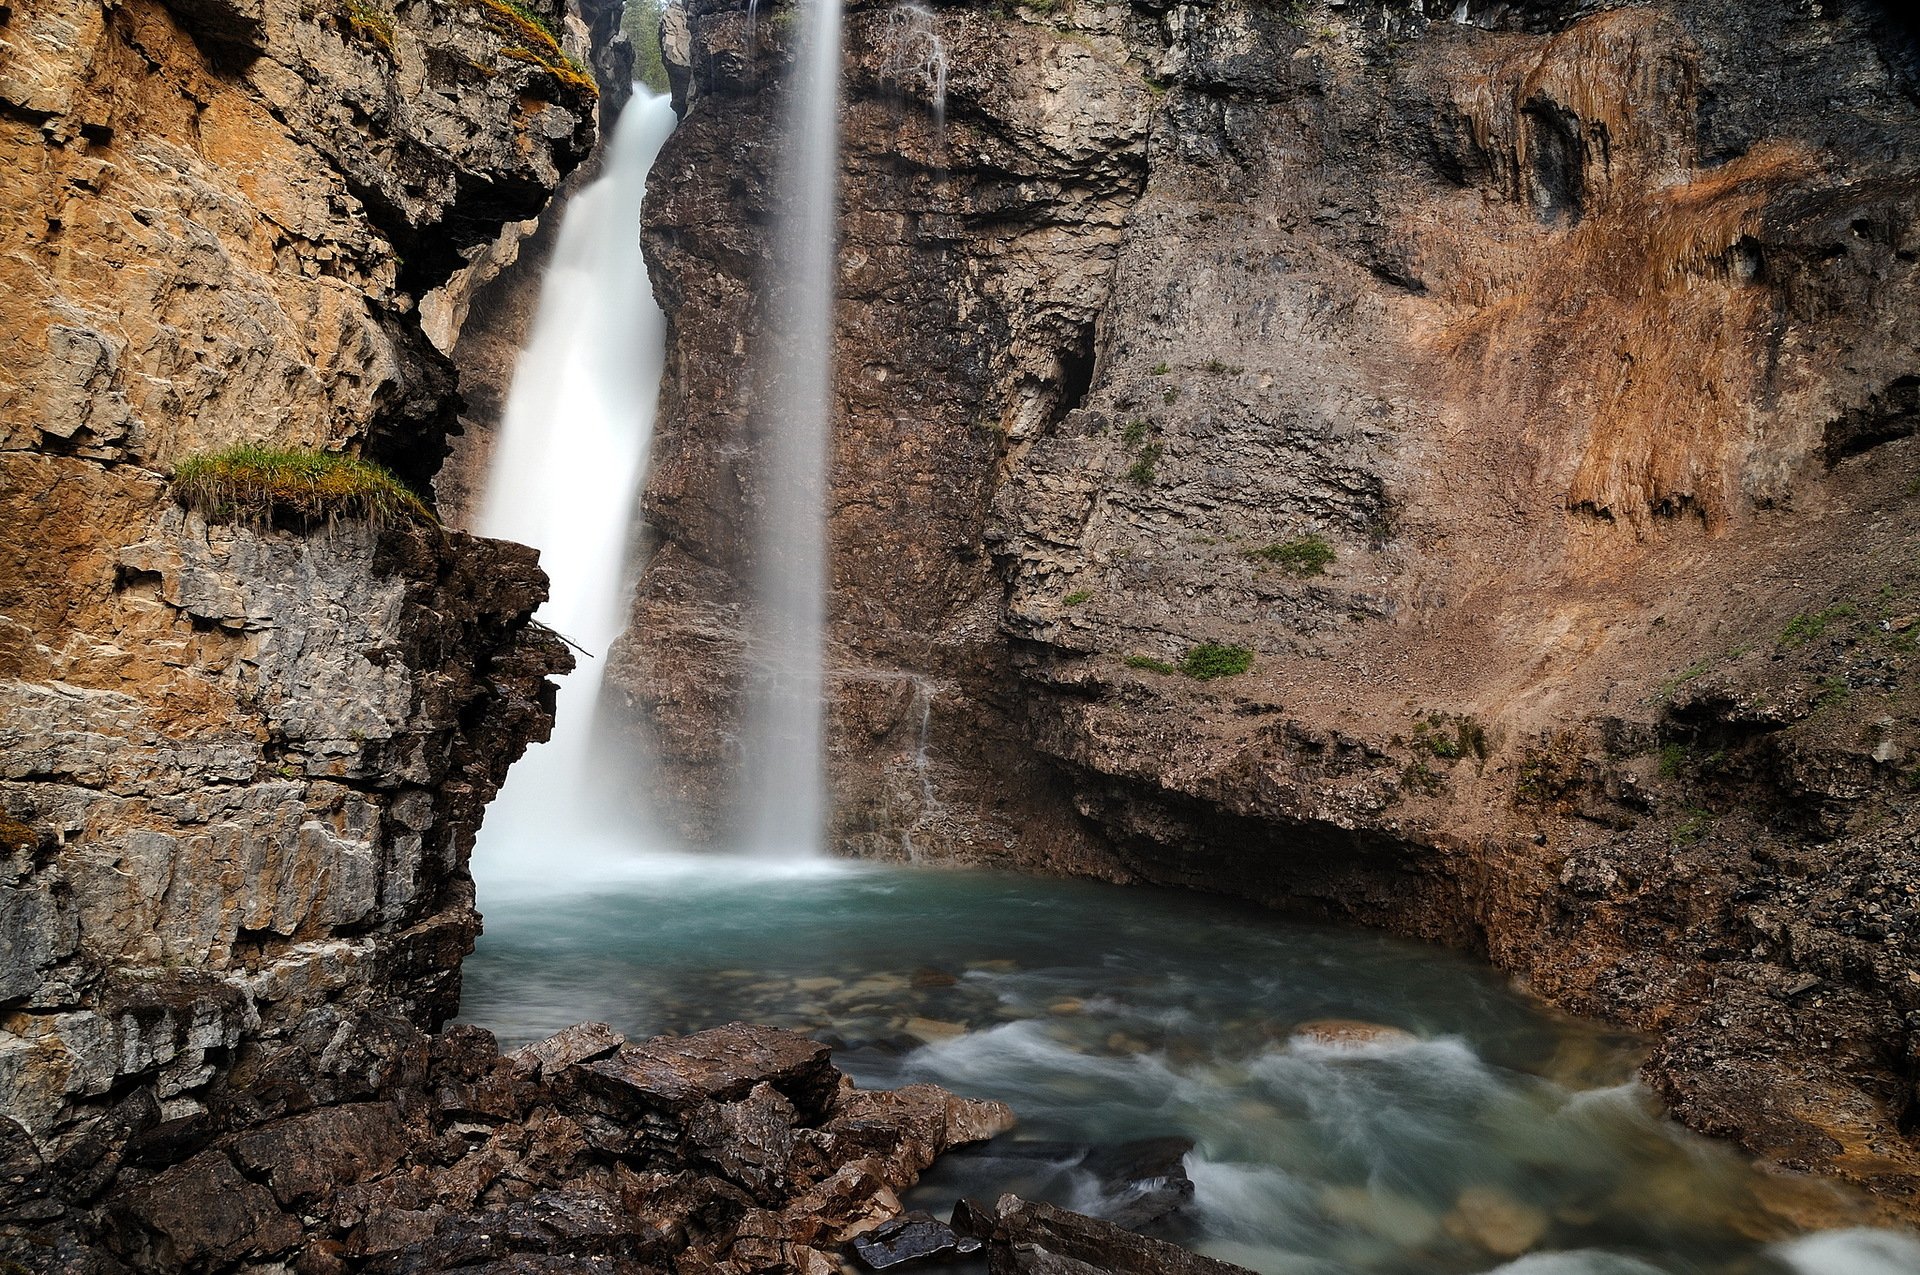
(1210,660)
(1218,368)
(1169,395)
(259,484)
(1307,556)
(1141,471)
(1078,596)
(1450,738)
(1135,432)
(1150,665)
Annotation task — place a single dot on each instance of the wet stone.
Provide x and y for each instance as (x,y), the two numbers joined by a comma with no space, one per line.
(911,1237)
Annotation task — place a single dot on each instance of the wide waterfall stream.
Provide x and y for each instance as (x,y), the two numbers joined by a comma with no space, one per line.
(1482,1129)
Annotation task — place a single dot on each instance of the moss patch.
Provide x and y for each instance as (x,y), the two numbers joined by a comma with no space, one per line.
(372,24)
(1147,663)
(263,485)
(534,42)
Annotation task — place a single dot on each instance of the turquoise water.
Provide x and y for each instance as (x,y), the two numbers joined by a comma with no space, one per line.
(1483,1134)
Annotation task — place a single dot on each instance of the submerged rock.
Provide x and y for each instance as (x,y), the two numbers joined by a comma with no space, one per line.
(1026,1238)
(1351,1033)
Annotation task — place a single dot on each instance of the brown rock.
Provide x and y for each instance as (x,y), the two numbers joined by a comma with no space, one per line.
(582,1042)
(210,1214)
(720,1065)
(305,1157)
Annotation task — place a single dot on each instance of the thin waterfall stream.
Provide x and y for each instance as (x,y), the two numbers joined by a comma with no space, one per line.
(1343,1103)
(782,799)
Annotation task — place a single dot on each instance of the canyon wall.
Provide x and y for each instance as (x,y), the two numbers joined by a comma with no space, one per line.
(241,765)
(1523,394)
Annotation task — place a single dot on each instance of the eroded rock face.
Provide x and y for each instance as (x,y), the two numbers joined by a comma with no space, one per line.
(241,768)
(1525,392)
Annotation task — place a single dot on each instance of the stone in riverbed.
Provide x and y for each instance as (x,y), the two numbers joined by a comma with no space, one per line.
(932,1030)
(1496,1222)
(1350,1033)
(911,1237)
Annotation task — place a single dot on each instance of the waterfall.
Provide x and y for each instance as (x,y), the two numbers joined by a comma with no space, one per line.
(782,802)
(565,478)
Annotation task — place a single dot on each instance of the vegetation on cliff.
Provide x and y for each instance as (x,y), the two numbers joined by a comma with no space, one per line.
(536,43)
(260,484)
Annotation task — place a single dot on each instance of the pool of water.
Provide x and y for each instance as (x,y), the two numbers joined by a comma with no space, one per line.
(1481,1133)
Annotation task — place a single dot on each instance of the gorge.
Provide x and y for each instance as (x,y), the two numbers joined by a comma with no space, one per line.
(1446,472)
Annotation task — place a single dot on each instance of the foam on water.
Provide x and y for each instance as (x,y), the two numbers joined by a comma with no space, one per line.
(1852,1252)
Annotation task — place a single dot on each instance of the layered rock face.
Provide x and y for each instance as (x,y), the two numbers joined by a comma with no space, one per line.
(241,767)
(1525,390)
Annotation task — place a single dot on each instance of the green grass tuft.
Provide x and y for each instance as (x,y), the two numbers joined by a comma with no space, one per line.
(259,484)
(1307,556)
(1210,660)
(1150,665)
(1078,596)
(1803,629)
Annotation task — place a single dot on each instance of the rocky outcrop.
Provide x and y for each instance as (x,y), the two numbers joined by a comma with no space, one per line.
(241,767)
(1516,396)
(734,1150)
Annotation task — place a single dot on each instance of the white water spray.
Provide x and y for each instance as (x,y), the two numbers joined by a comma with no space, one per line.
(565,478)
(782,802)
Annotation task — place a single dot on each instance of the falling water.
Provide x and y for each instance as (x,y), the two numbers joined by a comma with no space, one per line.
(916,58)
(565,477)
(783,801)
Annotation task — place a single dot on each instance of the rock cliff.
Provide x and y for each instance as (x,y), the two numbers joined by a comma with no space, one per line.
(241,765)
(1520,397)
